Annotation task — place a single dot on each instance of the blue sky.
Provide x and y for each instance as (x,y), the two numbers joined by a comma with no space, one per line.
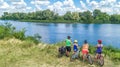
(60,6)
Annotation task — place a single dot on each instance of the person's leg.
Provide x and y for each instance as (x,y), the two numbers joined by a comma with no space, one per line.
(96,55)
(66,51)
(69,50)
(83,55)
(99,55)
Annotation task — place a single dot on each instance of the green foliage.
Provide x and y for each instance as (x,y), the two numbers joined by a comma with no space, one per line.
(33,39)
(19,34)
(113,53)
(68,16)
(92,49)
(8,31)
(115,18)
(49,16)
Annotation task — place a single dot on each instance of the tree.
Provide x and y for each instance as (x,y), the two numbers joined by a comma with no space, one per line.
(83,17)
(75,16)
(38,15)
(5,16)
(87,17)
(68,16)
(47,14)
(100,17)
(115,18)
(96,13)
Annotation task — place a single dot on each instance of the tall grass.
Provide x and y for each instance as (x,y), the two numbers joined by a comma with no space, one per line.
(23,53)
(9,31)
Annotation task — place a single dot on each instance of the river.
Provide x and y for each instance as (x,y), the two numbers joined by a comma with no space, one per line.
(57,32)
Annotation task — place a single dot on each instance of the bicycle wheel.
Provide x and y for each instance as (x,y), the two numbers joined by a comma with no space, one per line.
(72,58)
(101,61)
(90,59)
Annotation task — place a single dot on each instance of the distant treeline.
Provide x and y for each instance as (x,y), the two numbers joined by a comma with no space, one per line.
(49,16)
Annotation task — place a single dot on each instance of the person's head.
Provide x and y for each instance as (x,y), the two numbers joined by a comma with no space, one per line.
(75,41)
(85,42)
(68,37)
(99,41)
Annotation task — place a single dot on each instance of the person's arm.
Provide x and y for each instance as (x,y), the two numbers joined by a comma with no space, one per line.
(102,45)
(88,46)
(78,47)
(71,42)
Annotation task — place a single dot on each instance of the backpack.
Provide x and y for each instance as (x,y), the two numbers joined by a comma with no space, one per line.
(62,50)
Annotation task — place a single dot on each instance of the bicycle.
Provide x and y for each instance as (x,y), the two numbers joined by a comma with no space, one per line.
(100,59)
(89,58)
(61,51)
(75,56)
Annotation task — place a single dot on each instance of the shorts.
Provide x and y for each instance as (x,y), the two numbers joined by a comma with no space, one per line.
(84,51)
(98,51)
(68,48)
(75,50)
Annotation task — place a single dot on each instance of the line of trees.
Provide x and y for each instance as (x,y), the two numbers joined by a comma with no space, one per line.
(82,17)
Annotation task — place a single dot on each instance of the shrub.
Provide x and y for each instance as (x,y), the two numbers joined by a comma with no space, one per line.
(9,31)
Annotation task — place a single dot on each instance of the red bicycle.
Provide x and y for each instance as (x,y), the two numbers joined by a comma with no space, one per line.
(99,59)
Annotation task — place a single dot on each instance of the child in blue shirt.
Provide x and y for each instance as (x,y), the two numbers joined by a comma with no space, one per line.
(75,46)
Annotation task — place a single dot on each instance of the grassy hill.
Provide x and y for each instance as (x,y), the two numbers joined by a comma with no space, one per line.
(17,53)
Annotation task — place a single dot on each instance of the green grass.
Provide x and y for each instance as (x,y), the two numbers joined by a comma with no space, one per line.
(17,53)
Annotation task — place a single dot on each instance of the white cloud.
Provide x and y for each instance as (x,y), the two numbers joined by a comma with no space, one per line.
(87,1)
(21,2)
(19,6)
(83,5)
(63,7)
(110,1)
(28,8)
(109,6)
(68,3)
(3,5)
(1,1)
(56,6)
(68,6)
(94,3)
(39,3)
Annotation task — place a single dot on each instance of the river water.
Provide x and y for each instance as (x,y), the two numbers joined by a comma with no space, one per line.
(57,32)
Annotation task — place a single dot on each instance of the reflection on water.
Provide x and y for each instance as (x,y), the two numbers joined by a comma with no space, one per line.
(52,33)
